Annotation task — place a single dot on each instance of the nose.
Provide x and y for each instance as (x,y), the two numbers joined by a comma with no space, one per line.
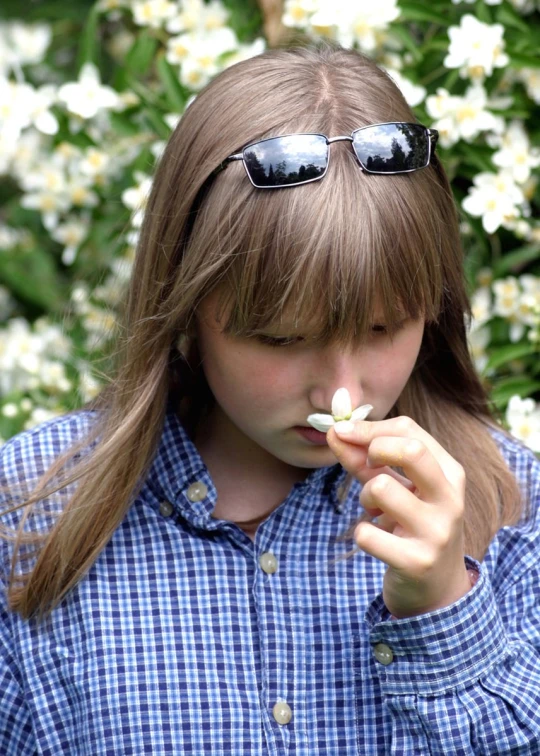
(337,367)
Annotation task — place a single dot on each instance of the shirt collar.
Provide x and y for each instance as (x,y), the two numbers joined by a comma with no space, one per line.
(179,475)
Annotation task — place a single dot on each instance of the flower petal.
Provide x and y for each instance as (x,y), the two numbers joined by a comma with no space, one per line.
(341,404)
(321,423)
(361,412)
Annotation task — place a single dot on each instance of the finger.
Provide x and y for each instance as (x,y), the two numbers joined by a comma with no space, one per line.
(364,431)
(354,460)
(390,498)
(418,463)
(395,551)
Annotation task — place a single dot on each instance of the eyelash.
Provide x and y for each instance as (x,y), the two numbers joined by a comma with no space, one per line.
(284,341)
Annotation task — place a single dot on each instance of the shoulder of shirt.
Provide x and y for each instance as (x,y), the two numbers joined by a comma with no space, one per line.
(27,455)
(525,465)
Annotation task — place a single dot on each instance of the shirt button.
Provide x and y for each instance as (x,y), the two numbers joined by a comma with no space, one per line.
(197,491)
(383,653)
(268,563)
(282,712)
(166,508)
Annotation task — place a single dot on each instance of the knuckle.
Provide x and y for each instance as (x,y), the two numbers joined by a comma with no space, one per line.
(414,449)
(440,535)
(405,425)
(424,560)
(379,484)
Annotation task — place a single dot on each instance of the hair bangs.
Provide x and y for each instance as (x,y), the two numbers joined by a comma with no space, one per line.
(332,257)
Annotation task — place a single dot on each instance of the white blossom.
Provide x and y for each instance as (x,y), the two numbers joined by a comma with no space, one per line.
(476,48)
(494,197)
(86,97)
(71,234)
(136,197)
(516,153)
(22,43)
(462,117)
(413,93)
(523,418)
(152,13)
(195,15)
(341,410)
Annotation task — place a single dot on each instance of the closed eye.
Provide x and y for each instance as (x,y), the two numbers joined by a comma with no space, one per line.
(279,341)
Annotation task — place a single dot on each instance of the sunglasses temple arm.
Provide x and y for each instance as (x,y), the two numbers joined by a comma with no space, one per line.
(225,163)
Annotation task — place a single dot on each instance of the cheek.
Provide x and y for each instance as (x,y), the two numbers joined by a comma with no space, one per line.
(242,375)
(392,366)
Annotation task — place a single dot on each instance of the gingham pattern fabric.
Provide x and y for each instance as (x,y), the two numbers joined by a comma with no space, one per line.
(178,642)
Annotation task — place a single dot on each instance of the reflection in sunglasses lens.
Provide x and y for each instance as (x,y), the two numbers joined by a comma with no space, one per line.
(283,161)
(392,147)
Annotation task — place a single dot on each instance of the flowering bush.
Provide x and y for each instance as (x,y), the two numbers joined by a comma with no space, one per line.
(89,97)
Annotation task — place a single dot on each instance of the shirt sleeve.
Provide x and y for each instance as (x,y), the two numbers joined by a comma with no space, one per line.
(16,732)
(465,679)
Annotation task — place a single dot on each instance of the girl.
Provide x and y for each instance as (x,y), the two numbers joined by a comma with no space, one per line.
(177,554)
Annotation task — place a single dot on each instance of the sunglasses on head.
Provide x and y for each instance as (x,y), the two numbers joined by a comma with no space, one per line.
(295,159)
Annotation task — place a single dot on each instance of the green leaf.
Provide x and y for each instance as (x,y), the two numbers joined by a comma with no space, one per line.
(411,11)
(482,12)
(123,125)
(507,16)
(509,352)
(401,33)
(156,123)
(517,60)
(503,390)
(475,157)
(171,84)
(88,44)
(142,53)
(516,258)
(31,275)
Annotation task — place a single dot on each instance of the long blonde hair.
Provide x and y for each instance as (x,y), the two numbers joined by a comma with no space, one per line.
(325,248)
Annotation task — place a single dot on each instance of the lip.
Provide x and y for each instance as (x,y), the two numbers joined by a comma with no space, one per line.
(315,437)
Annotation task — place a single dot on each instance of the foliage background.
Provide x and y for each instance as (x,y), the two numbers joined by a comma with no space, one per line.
(90,92)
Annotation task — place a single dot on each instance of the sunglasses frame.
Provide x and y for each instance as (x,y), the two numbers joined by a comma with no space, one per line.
(433,136)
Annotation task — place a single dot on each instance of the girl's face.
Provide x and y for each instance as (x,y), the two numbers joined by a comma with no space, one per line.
(263,392)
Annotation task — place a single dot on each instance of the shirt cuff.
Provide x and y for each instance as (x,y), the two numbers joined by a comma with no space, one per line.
(438,651)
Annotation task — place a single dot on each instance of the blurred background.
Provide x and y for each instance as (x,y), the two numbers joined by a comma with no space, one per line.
(90,92)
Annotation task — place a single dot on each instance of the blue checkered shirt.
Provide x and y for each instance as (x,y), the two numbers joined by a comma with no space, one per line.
(182,640)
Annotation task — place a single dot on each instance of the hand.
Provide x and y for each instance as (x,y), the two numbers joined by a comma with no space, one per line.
(419,534)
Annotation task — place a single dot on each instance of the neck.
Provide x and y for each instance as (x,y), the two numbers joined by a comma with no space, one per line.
(250,481)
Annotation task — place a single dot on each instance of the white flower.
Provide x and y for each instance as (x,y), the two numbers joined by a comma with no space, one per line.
(516,153)
(531,78)
(298,12)
(495,197)
(341,410)
(478,339)
(88,96)
(136,197)
(523,418)
(198,16)
(23,43)
(71,234)
(413,93)
(476,48)
(462,117)
(153,13)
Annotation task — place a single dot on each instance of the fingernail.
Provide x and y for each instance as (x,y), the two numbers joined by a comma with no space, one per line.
(344,427)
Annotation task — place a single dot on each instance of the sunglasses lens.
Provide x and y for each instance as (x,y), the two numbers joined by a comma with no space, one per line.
(284,161)
(392,147)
